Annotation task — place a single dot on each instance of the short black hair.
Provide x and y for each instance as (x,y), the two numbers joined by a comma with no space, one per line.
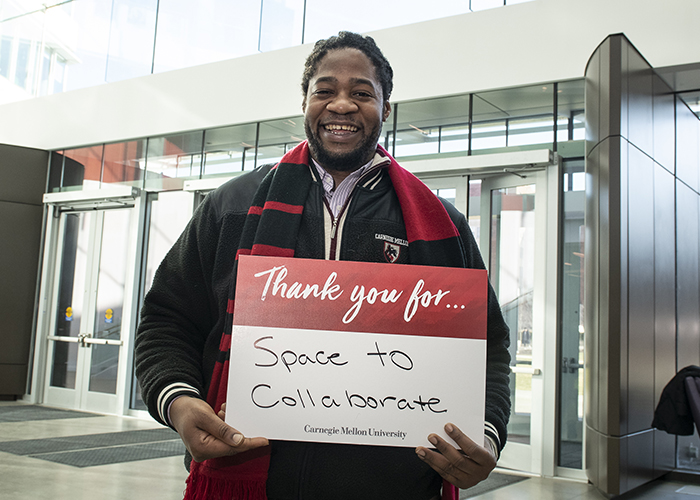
(349,40)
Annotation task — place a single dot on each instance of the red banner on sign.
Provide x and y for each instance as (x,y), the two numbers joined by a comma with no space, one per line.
(361,297)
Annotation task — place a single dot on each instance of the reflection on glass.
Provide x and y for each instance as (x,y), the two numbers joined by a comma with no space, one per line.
(448,194)
(229,149)
(172,159)
(691,99)
(55,171)
(192,33)
(488,135)
(111,281)
(502,118)
(417,141)
(131,39)
(83,168)
(512,275)
(474,209)
(71,279)
(45,67)
(485,4)
(104,361)
(424,126)
(454,138)
(22,62)
(58,72)
(124,163)
(562,129)
(5,54)
(170,213)
(325,18)
(571,386)
(282,24)
(535,130)
(95,41)
(570,105)
(88,22)
(271,154)
(277,137)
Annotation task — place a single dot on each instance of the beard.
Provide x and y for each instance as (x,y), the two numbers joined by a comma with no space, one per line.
(343,162)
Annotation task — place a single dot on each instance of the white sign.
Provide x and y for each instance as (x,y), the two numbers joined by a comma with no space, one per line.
(349,352)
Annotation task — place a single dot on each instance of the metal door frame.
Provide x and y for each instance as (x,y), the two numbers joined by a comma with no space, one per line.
(76,201)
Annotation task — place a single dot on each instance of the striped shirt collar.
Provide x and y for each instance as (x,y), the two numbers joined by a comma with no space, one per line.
(337,197)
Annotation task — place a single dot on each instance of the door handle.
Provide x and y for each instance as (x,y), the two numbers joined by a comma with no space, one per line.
(570,365)
(90,341)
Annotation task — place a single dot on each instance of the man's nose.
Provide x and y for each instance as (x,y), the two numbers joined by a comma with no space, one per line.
(342,104)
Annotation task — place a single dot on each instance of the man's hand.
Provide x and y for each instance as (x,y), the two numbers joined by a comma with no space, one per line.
(465,467)
(205,434)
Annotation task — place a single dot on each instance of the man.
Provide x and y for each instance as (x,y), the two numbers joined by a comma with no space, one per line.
(337,197)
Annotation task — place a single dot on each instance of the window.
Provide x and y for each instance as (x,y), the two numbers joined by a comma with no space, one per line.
(518,118)
(277,137)
(172,159)
(281,24)
(124,163)
(229,149)
(191,33)
(82,168)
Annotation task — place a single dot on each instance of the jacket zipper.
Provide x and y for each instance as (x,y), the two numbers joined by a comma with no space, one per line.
(335,221)
(334,228)
(332,256)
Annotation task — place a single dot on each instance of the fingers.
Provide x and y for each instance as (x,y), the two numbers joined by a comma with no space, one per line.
(462,467)
(471,449)
(204,433)
(222,412)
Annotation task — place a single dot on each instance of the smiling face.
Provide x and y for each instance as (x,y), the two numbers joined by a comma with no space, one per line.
(343,111)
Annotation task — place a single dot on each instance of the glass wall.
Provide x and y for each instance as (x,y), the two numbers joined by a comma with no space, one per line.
(570,397)
(469,124)
(70,44)
(82,168)
(277,137)
(192,33)
(168,214)
(171,160)
(692,99)
(571,124)
(431,126)
(124,163)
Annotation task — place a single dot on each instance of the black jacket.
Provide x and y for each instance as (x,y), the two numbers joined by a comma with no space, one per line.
(183,319)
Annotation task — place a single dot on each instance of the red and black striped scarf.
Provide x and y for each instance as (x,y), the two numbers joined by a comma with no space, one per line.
(271,228)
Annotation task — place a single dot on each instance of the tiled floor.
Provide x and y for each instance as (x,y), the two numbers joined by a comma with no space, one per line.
(26,477)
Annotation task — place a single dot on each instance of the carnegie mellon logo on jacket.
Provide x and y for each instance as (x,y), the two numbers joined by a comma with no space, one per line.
(392,248)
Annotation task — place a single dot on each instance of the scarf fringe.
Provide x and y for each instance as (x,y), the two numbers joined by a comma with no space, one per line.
(203,487)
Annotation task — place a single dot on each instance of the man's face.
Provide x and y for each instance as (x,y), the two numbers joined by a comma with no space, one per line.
(343,110)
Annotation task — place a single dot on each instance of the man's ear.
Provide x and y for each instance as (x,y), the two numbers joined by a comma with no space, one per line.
(387,110)
(303,105)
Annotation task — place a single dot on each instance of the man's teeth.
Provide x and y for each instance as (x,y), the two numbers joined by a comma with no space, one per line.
(348,128)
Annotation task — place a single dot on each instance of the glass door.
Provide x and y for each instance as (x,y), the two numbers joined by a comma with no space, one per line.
(513,244)
(516,221)
(90,299)
(167,215)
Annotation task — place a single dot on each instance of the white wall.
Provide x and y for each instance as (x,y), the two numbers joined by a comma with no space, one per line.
(534,42)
